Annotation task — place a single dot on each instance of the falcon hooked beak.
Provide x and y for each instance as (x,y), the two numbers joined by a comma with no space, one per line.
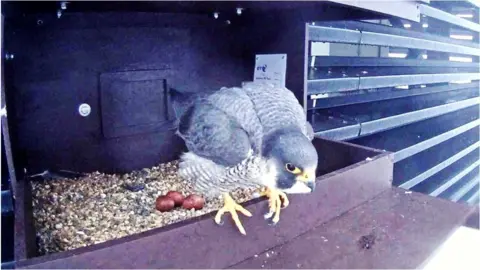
(308,178)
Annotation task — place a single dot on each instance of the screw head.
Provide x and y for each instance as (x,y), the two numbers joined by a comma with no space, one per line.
(239,11)
(59,14)
(215,15)
(84,109)
(63,5)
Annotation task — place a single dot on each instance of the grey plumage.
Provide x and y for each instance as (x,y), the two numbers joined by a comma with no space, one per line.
(230,135)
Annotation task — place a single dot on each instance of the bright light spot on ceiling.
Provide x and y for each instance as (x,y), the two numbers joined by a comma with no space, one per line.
(460,59)
(465,15)
(397,55)
(464,37)
(461,82)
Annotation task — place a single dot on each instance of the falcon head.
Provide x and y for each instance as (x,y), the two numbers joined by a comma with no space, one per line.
(293,159)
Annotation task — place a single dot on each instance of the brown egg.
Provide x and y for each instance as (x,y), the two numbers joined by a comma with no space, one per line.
(197,201)
(177,197)
(188,204)
(164,203)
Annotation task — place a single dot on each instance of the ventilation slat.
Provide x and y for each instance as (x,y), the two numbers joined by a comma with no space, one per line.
(465,189)
(389,81)
(428,173)
(356,61)
(449,18)
(454,179)
(341,133)
(473,199)
(419,147)
(370,127)
(323,86)
(394,31)
(325,34)
(411,117)
(331,102)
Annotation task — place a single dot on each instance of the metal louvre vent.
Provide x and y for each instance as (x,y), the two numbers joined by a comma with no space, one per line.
(406,87)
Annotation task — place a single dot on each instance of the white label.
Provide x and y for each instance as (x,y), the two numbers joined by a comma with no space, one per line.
(84,109)
(271,68)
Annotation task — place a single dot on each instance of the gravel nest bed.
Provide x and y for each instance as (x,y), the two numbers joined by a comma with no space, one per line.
(73,213)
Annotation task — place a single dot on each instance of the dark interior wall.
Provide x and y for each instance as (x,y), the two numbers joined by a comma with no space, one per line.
(59,64)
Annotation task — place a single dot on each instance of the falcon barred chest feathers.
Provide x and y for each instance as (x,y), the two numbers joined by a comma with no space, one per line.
(254,136)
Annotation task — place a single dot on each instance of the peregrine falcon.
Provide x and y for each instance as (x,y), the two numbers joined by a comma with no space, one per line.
(254,136)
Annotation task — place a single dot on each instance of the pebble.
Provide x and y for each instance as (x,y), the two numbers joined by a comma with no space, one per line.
(71,215)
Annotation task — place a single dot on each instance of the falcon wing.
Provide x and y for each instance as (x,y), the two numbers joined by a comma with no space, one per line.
(210,133)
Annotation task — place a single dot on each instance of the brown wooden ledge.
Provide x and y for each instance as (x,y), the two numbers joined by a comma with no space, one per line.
(401,229)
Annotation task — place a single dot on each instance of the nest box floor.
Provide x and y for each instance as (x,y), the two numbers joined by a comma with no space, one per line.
(72,213)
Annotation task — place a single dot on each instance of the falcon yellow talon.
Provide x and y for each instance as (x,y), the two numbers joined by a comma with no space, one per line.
(285,201)
(232,207)
(275,202)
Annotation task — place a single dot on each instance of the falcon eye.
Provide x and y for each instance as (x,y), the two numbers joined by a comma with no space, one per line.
(291,168)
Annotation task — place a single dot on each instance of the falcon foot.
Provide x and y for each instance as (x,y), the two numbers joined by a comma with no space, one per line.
(232,207)
(275,200)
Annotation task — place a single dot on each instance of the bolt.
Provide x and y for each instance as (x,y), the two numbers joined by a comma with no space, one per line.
(239,11)
(59,14)
(39,22)
(215,15)
(228,21)
(63,5)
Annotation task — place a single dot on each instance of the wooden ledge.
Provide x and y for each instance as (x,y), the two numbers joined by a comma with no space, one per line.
(402,230)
